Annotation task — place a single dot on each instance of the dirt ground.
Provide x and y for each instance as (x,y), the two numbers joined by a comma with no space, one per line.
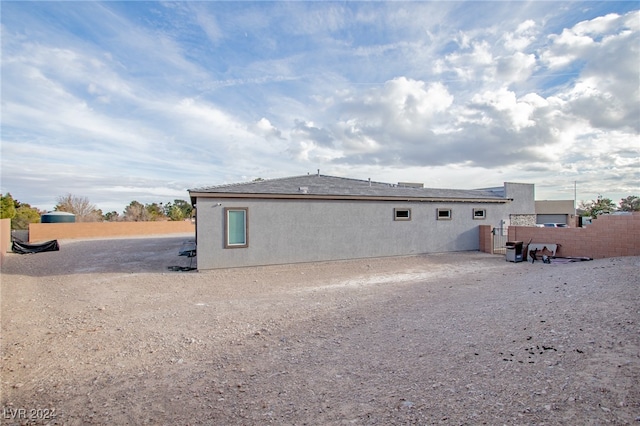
(102,332)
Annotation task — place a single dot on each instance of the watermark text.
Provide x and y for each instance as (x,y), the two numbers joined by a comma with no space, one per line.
(12,413)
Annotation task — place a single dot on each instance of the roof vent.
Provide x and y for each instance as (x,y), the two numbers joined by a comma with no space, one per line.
(304,189)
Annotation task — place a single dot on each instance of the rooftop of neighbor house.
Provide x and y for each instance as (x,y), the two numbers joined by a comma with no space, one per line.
(317,185)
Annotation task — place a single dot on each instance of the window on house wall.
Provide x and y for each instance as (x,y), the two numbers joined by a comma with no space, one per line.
(401,214)
(479,214)
(444,214)
(236,227)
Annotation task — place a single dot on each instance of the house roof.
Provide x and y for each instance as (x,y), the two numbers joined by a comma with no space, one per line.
(319,186)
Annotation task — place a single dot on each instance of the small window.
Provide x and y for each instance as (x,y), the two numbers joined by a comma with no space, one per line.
(402,214)
(444,214)
(479,214)
(236,227)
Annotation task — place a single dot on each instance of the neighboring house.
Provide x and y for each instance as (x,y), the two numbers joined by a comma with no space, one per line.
(555,211)
(319,218)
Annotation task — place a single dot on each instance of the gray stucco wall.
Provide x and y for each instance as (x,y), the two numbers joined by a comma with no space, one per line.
(523,196)
(522,209)
(292,231)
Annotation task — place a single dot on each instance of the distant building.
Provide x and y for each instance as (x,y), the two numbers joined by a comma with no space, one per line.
(320,218)
(555,211)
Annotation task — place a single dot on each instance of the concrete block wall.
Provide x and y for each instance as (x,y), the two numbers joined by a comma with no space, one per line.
(39,232)
(607,236)
(486,239)
(5,237)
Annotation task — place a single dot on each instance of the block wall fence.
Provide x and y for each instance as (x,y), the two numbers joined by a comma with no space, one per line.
(607,236)
(486,239)
(5,237)
(39,232)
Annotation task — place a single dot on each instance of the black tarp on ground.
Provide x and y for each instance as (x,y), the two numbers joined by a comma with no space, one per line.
(24,248)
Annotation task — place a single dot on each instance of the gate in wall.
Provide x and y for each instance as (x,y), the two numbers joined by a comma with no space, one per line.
(499,240)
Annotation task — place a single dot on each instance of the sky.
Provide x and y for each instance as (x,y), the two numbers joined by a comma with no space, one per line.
(124,101)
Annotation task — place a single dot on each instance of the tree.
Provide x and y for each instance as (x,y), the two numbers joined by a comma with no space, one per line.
(113,216)
(7,207)
(79,206)
(25,214)
(175,213)
(155,211)
(179,210)
(597,207)
(630,204)
(135,212)
(21,214)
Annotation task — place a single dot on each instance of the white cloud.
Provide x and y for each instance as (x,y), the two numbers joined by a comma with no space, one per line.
(413,101)
(117,100)
(607,90)
(471,66)
(515,68)
(522,37)
(518,113)
(267,130)
(209,25)
(580,41)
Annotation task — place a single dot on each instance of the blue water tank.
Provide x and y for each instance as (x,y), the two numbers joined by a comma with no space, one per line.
(58,217)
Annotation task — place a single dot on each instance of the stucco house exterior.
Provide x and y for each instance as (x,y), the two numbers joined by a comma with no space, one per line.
(320,218)
(555,211)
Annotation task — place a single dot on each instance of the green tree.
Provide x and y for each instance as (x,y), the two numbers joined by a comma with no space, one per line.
(175,213)
(630,204)
(597,207)
(25,214)
(155,212)
(179,210)
(80,207)
(7,207)
(21,214)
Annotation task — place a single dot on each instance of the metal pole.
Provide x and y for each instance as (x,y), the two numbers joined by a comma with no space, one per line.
(575,198)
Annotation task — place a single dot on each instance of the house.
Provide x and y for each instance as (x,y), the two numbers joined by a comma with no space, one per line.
(555,211)
(320,218)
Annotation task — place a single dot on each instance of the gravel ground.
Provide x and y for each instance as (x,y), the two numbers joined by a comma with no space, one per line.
(102,332)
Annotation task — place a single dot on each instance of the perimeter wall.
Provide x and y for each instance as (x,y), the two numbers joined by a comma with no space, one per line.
(5,237)
(607,236)
(39,232)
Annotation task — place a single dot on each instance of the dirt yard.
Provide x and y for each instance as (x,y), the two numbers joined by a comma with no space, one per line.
(102,332)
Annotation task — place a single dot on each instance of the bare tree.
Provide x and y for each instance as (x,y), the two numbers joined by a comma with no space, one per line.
(79,206)
(136,212)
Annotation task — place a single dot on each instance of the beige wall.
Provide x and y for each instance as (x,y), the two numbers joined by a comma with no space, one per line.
(607,236)
(555,207)
(5,237)
(39,232)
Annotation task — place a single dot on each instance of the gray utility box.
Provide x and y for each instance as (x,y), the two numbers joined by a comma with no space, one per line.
(514,251)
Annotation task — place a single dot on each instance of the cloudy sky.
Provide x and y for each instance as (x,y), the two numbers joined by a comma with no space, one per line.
(123,101)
